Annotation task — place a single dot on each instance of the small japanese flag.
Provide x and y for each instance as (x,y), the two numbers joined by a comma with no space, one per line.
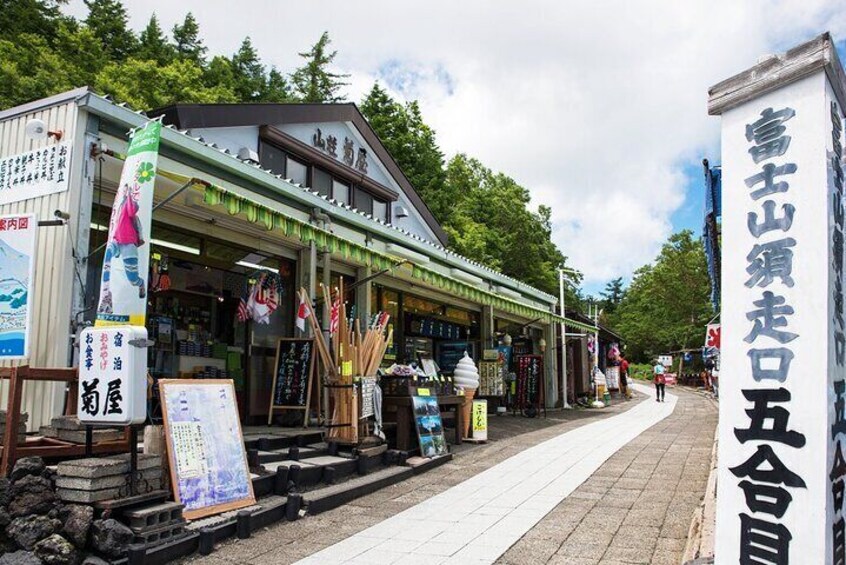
(335,316)
(303,312)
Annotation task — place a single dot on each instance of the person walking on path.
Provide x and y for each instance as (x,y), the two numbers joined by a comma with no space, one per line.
(624,376)
(658,379)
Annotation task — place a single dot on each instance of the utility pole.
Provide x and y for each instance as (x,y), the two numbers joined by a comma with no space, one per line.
(561,282)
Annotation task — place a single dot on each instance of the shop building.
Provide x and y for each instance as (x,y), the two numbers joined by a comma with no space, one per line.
(294,194)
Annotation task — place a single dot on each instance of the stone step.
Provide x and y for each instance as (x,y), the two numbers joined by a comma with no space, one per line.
(91,496)
(321,500)
(154,516)
(78,436)
(285,453)
(96,467)
(100,483)
(24,417)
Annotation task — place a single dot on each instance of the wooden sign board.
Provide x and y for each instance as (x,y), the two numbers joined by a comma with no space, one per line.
(293,373)
(430,428)
(208,462)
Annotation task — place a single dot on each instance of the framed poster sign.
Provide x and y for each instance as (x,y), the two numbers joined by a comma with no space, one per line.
(430,428)
(18,245)
(208,462)
(293,371)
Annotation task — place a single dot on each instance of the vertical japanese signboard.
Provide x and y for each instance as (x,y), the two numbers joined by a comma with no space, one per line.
(18,240)
(123,283)
(112,376)
(781,459)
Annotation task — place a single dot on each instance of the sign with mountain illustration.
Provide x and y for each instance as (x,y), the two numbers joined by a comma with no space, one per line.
(18,238)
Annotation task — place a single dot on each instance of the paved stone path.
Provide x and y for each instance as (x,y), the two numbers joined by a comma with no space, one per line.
(478,520)
(684,439)
(637,507)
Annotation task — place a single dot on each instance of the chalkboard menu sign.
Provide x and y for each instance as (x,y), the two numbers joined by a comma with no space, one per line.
(292,376)
(529,381)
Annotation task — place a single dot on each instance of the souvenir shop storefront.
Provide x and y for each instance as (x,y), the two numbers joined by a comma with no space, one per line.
(231,244)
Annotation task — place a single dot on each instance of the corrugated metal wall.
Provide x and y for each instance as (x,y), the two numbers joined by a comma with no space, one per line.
(54,268)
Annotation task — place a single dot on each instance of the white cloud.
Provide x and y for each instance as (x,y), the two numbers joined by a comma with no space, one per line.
(595,107)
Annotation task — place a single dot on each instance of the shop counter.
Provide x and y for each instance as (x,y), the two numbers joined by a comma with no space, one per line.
(401,407)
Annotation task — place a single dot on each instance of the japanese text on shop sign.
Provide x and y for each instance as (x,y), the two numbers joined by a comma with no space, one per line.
(35,173)
(112,388)
(764,478)
(329,145)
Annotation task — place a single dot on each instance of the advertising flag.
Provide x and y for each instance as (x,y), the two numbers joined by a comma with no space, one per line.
(123,283)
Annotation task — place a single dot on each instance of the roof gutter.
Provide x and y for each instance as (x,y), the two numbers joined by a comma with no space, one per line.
(122,115)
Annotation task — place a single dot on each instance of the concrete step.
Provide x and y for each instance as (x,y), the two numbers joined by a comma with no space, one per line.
(330,497)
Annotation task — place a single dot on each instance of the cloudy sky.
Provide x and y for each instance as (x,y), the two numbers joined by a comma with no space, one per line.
(599,108)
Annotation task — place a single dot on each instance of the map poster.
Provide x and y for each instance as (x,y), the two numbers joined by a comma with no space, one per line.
(18,240)
(208,462)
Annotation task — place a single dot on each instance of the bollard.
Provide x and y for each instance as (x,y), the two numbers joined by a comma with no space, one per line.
(206,541)
(252,458)
(329,475)
(292,507)
(361,465)
(294,453)
(293,474)
(243,525)
(280,482)
(137,554)
(333,448)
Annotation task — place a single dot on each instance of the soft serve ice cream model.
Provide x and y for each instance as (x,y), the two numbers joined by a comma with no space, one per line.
(466,377)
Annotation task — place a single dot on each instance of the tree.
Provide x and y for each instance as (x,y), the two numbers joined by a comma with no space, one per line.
(108,21)
(492,223)
(186,39)
(314,82)
(35,17)
(153,44)
(667,305)
(412,145)
(146,84)
(612,295)
(248,73)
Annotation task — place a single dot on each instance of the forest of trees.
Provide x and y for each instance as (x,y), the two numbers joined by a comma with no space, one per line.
(488,215)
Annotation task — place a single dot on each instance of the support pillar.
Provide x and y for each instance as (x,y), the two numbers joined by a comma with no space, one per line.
(364,295)
(550,361)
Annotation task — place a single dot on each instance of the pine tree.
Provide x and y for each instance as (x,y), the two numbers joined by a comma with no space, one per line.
(38,17)
(153,44)
(108,20)
(276,88)
(186,39)
(248,73)
(314,82)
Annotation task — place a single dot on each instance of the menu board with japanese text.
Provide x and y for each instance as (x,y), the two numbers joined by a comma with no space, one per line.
(208,461)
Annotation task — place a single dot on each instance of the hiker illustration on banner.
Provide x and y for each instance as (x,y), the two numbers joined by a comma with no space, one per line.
(123,284)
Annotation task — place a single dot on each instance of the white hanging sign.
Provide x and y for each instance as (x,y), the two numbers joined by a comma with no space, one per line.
(112,375)
(35,173)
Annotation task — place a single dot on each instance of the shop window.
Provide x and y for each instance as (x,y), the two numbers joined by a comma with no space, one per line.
(321,181)
(380,210)
(272,158)
(297,172)
(419,305)
(341,192)
(363,201)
